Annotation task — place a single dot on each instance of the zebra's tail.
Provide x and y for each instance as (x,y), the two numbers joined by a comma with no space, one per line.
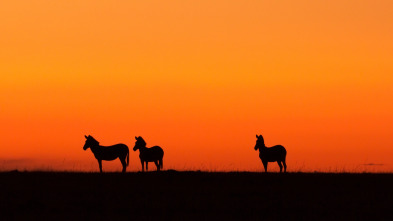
(128,157)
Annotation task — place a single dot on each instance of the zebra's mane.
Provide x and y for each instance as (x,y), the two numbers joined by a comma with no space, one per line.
(142,141)
(93,140)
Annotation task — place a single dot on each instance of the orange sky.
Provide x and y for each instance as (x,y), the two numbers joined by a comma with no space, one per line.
(200,79)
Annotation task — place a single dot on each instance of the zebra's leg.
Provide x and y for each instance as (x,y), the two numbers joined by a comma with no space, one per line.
(265,165)
(124,164)
(280,165)
(100,165)
(157,165)
(143,166)
(285,166)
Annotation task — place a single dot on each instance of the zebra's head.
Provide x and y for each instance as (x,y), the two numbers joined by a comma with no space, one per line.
(260,142)
(90,142)
(139,143)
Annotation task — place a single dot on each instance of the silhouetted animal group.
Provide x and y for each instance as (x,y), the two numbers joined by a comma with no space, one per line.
(156,154)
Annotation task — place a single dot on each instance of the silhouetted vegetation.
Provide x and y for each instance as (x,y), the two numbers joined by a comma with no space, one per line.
(171,195)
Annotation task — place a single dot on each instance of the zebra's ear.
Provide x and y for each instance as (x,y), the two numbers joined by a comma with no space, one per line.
(136,138)
(86,136)
(257,136)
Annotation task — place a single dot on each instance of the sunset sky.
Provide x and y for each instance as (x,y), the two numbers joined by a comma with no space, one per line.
(200,79)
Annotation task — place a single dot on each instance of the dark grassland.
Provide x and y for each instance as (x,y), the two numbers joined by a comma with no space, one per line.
(171,195)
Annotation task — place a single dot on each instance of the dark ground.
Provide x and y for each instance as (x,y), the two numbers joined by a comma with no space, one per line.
(172,195)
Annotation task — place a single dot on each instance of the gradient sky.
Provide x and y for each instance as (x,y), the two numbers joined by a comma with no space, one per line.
(200,79)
